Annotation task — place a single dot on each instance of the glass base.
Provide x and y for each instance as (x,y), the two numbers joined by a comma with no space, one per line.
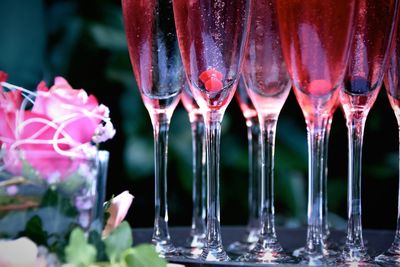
(194,247)
(240,247)
(268,256)
(326,258)
(165,249)
(389,258)
(355,257)
(315,260)
(214,253)
(245,245)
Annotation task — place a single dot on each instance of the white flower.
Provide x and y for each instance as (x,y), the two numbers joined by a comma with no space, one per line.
(104,132)
(21,252)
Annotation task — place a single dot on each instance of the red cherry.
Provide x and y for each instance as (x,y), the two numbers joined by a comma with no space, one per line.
(213,84)
(319,87)
(207,74)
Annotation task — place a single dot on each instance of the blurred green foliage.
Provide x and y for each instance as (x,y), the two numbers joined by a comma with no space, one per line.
(84,41)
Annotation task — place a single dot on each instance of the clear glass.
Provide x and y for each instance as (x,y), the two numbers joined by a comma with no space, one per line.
(51,190)
(316,38)
(247,242)
(196,240)
(331,247)
(268,85)
(212,37)
(374,32)
(155,57)
(392,255)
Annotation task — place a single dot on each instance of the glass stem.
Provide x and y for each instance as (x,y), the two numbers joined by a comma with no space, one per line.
(199,183)
(161,123)
(325,221)
(396,243)
(213,135)
(354,229)
(268,129)
(316,131)
(254,191)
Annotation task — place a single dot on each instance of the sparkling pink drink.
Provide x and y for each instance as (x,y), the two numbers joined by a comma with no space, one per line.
(369,55)
(210,36)
(154,53)
(314,40)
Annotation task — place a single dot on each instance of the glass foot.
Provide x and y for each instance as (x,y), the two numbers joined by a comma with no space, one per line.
(315,260)
(268,256)
(166,249)
(270,252)
(190,252)
(389,258)
(245,245)
(240,247)
(330,252)
(214,253)
(194,247)
(355,257)
(328,257)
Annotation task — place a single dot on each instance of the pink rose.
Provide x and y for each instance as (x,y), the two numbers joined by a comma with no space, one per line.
(35,144)
(75,111)
(61,124)
(118,210)
(3,76)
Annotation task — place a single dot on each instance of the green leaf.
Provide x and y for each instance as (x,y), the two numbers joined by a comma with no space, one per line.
(53,198)
(79,251)
(119,240)
(143,256)
(95,239)
(34,231)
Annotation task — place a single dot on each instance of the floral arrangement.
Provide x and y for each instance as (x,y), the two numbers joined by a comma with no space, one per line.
(50,172)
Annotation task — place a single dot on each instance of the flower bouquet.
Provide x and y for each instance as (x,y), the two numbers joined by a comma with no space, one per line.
(50,165)
(52,181)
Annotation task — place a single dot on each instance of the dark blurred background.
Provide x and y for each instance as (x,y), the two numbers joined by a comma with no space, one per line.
(84,42)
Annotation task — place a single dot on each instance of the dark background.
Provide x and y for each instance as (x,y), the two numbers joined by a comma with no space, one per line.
(84,42)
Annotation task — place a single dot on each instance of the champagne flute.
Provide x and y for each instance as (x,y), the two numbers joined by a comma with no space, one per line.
(254,175)
(374,28)
(268,85)
(212,36)
(156,62)
(196,240)
(315,39)
(392,255)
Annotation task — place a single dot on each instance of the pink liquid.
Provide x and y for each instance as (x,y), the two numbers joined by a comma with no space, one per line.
(244,101)
(154,52)
(315,38)
(212,35)
(373,37)
(264,70)
(391,78)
